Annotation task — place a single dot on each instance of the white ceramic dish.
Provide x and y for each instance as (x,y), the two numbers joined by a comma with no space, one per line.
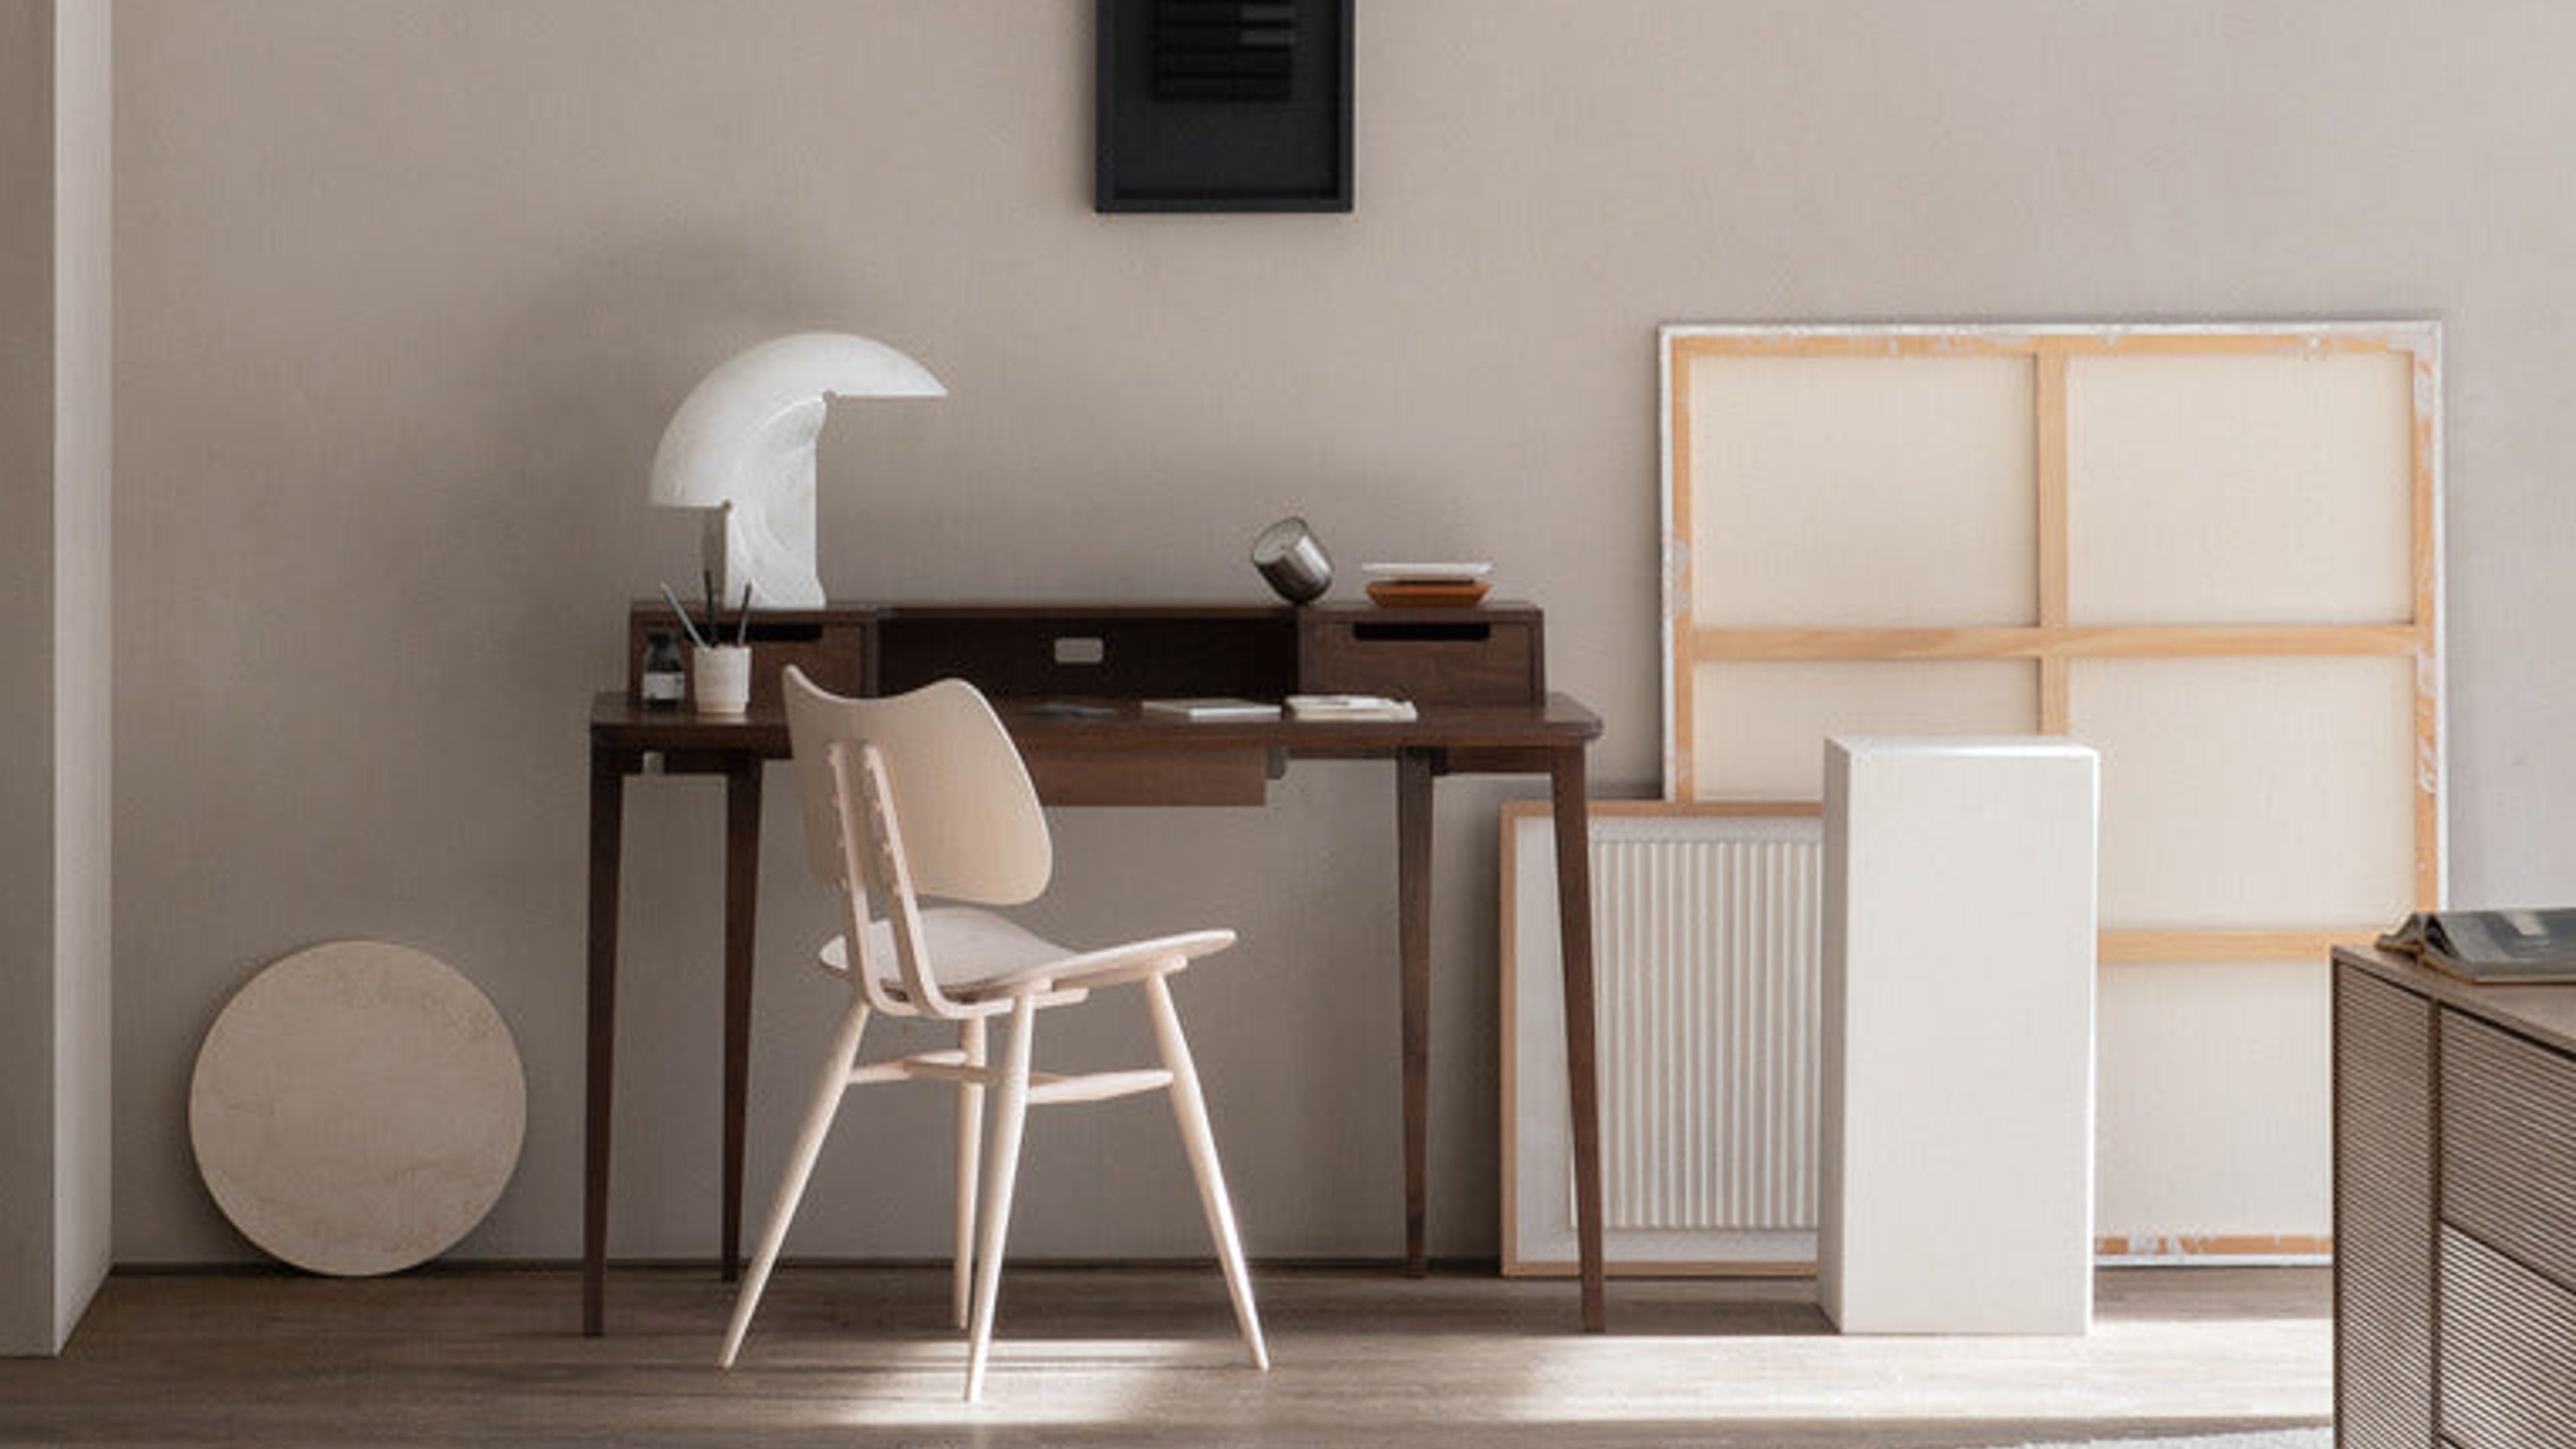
(1428,572)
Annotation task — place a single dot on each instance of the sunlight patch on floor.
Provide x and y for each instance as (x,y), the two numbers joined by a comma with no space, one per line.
(1056,1381)
(2281,1369)
(2277,1369)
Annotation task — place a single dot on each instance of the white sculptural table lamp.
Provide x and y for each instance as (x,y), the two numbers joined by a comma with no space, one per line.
(742,446)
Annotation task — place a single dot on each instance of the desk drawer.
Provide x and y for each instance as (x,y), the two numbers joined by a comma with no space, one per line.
(2508,1352)
(1199,775)
(1487,655)
(2509,1143)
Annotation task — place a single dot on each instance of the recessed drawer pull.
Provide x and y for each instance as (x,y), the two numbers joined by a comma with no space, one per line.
(1423,633)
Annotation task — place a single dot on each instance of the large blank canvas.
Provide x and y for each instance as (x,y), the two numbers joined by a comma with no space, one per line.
(2211,552)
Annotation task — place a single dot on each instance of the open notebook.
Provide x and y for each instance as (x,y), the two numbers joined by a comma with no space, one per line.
(2491,946)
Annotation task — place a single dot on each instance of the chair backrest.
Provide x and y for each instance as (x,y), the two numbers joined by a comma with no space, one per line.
(920,794)
(972,826)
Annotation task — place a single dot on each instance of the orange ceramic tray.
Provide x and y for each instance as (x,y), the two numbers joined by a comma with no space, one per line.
(1419,593)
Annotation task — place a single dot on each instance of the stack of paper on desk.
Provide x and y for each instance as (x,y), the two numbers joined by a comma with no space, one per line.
(1213,708)
(1349,706)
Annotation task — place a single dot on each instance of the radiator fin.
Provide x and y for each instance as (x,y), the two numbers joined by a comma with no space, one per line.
(1708,963)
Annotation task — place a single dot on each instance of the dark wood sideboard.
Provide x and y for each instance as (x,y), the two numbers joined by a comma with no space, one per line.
(2455,1209)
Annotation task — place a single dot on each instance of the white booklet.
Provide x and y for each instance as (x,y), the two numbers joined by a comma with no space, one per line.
(1213,707)
(1349,706)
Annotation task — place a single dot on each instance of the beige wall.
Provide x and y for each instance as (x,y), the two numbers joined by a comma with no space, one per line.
(407,292)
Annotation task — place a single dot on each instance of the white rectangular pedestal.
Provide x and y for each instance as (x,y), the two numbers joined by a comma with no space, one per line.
(1957,1093)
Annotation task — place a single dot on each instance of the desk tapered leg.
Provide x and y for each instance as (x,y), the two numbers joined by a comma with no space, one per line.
(607,824)
(742,906)
(1413,950)
(1574,918)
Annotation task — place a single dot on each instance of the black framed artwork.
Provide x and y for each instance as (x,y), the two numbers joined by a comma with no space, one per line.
(1225,105)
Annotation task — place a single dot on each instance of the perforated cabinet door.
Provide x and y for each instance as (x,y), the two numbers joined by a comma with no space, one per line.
(2383,1214)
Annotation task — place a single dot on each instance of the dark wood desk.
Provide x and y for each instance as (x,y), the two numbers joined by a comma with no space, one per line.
(1125,757)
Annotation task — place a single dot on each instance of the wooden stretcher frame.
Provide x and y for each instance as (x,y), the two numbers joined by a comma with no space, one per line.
(2054,641)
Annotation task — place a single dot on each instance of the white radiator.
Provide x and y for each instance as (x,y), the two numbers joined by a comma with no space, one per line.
(1707,964)
(1706,960)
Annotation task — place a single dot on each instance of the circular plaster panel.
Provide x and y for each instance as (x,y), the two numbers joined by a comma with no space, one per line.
(357,1108)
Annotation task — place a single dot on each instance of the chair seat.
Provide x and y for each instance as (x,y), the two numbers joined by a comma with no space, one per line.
(986,959)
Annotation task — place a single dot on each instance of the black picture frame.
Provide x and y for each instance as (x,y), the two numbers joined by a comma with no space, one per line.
(1263,126)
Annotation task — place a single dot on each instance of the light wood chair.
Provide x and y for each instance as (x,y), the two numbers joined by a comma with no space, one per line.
(924,795)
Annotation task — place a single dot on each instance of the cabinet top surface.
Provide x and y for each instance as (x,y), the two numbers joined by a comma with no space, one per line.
(2547,1013)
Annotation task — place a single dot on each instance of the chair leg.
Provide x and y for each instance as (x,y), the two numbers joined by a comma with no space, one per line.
(829,1084)
(970,1144)
(1001,1169)
(1189,1106)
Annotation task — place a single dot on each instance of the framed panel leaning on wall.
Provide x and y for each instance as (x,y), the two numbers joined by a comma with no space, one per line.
(1707,973)
(2213,553)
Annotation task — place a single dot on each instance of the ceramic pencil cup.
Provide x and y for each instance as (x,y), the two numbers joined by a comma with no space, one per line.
(720,678)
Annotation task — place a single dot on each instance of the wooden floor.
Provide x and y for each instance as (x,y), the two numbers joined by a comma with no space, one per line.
(1138,1356)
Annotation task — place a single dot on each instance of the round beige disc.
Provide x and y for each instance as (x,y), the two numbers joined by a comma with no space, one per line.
(357,1108)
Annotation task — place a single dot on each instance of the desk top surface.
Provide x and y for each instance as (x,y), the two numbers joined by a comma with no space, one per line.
(619,721)
(2547,1013)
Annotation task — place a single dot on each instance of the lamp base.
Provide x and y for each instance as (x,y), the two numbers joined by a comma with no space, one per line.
(781,573)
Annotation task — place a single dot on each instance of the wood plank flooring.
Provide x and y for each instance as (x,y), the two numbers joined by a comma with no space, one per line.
(849,1356)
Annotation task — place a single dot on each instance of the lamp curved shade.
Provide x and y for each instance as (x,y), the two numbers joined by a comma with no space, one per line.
(742,443)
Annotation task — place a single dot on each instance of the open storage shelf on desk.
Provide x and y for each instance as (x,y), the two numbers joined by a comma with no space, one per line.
(1485,654)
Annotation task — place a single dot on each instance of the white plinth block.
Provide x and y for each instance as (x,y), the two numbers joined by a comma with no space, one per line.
(1956,1116)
